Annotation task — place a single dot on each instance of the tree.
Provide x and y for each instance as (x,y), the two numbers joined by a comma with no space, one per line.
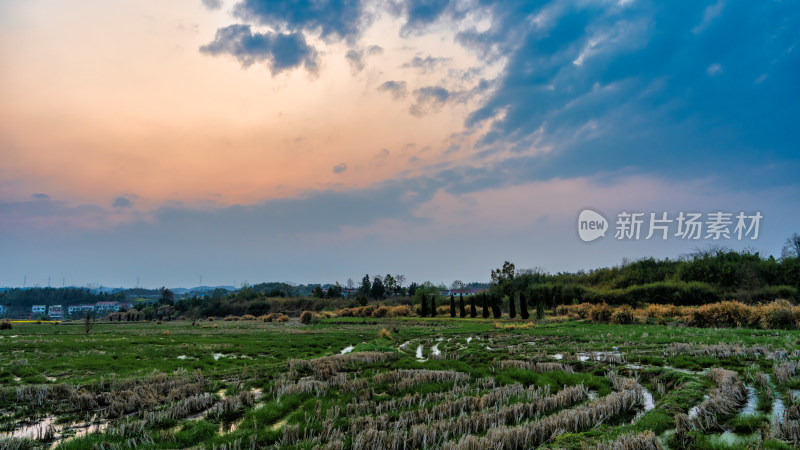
(377,289)
(335,291)
(193,314)
(317,292)
(424,307)
(472,312)
(433,306)
(512,305)
(452,305)
(791,249)
(148,313)
(165,312)
(523,306)
(412,289)
(167,297)
(461,311)
(88,321)
(389,284)
(365,286)
(495,302)
(506,273)
(485,301)
(540,311)
(400,280)
(350,286)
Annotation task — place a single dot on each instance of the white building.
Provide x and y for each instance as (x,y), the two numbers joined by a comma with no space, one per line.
(106,306)
(79,310)
(38,310)
(55,312)
(2,310)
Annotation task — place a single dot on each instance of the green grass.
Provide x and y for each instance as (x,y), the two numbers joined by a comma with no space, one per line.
(252,355)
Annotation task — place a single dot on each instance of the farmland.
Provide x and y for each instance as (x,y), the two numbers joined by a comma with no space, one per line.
(361,383)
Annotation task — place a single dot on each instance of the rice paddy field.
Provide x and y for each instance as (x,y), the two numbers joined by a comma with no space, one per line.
(353,383)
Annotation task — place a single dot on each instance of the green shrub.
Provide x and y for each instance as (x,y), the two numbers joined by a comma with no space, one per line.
(722,314)
(380,311)
(599,313)
(776,315)
(622,315)
(306,317)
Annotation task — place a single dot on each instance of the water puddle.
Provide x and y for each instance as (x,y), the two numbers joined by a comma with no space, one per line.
(419,354)
(347,349)
(42,430)
(752,402)
(435,350)
(46,430)
(684,371)
(694,409)
(731,439)
(558,356)
(599,356)
(777,409)
(648,404)
(218,356)
(404,345)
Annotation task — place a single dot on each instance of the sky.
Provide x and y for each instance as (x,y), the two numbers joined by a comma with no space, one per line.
(235,141)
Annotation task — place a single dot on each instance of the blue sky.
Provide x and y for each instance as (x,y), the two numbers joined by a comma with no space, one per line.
(318,141)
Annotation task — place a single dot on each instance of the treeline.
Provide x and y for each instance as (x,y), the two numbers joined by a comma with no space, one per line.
(255,304)
(25,298)
(705,277)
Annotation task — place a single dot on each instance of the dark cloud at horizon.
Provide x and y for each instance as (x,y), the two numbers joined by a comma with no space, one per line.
(40,196)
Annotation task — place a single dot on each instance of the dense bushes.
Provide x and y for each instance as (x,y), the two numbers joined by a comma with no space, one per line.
(256,305)
(662,292)
(600,313)
(707,277)
(723,314)
(779,314)
(400,311)
(622,315)
(309,317)
(6,324)
(774,315)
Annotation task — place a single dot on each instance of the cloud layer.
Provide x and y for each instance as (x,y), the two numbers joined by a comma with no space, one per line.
(281,51)
(429,131)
